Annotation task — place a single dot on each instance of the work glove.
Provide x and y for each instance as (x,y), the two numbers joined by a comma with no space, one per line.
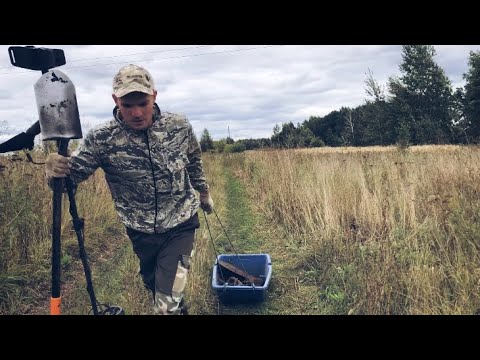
(57,166)
(206,202)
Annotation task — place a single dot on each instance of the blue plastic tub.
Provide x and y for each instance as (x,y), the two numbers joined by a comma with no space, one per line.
(258,265)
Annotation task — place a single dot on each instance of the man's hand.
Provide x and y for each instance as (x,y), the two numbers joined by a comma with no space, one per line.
(206,202)
(57,166)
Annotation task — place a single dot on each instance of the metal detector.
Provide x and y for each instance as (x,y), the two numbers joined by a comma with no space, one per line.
(59,120)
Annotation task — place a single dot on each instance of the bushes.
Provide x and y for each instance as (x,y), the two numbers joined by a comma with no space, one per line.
(235,147)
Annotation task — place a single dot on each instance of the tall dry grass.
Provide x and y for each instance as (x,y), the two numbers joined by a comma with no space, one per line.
(377,230)
(25,245)
(26,228)
(385,231)
(199,295)
(24,224)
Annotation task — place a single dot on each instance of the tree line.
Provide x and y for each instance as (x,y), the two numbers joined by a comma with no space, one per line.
(419,107)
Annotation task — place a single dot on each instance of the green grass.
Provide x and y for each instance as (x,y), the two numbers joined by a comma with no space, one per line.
(115,281)
(240,219)
(240,227)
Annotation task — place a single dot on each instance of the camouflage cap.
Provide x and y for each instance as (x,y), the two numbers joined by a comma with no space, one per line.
(132,78)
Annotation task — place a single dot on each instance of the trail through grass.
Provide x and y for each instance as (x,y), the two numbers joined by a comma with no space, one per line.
(251,232)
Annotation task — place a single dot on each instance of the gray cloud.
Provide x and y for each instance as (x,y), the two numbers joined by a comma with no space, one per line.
(248,91)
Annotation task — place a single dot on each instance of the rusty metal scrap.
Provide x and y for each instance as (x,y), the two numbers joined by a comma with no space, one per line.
(242,277)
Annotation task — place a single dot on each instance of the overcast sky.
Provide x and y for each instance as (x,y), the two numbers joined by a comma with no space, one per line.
(246,89)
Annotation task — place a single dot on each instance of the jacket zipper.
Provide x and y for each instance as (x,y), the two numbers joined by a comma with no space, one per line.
(154,181)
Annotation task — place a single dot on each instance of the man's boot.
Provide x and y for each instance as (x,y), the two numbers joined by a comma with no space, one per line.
(183,308)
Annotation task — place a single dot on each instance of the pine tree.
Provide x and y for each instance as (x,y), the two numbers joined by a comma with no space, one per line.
(206,141)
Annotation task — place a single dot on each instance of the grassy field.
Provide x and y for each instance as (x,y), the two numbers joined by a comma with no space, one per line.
(350,231)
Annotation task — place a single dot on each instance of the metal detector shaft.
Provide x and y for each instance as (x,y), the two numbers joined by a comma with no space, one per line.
(78,226)
(55,301)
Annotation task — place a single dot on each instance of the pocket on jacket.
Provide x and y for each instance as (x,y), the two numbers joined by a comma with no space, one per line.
(177,172)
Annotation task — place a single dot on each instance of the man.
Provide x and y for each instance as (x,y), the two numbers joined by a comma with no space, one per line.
(152,164)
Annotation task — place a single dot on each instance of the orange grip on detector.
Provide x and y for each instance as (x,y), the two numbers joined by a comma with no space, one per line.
(55,305)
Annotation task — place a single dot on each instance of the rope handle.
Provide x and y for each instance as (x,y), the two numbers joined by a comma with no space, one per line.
(231,244)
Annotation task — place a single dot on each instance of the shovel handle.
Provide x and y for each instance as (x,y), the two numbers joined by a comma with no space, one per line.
(56,234)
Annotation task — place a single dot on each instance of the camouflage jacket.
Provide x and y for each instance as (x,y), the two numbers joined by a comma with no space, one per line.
(151,173)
